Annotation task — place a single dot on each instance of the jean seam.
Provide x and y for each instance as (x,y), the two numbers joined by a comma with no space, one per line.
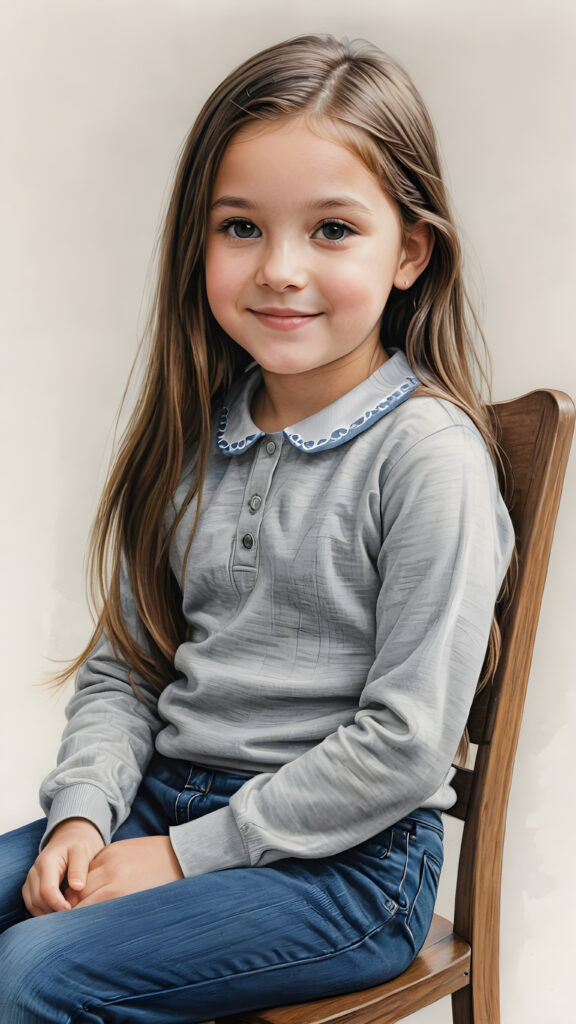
(403,879)
(426,859)
(191,799)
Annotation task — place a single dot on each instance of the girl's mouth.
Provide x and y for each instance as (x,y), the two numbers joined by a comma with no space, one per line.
(283,319)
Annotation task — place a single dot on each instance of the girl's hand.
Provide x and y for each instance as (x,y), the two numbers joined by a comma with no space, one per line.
(69,851)
(127,866)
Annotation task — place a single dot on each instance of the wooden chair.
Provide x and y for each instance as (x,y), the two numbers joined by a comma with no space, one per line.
(461,959)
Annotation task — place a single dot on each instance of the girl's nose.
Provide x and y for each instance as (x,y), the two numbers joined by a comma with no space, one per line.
(282,267)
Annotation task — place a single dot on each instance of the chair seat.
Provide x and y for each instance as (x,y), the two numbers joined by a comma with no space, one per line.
(441,967)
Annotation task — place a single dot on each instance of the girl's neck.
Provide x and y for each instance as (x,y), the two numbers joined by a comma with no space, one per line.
(285,399)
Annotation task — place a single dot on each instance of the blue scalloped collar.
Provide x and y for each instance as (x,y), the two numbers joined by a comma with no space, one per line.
(356,411)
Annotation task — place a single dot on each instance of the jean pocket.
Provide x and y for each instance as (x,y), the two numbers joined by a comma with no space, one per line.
(420,913)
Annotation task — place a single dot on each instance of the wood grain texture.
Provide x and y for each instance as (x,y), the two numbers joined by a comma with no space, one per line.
(536,437)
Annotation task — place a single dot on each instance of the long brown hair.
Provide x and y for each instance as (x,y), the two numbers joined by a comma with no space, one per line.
(365,100)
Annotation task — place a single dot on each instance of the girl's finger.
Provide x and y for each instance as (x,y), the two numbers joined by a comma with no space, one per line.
(28,890)
(78,864)
(94,882)
(72,898)
(41,894)
(52,900)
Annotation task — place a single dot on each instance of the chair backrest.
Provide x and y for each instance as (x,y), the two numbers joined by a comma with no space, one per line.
(536,432)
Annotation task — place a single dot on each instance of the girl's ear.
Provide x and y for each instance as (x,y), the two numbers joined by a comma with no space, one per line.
(415,255)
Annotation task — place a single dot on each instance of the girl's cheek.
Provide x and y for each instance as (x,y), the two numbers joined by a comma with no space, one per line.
(221,288)
(356,291)
(368,279)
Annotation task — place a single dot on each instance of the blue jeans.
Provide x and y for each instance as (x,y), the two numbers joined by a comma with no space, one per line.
(222,942)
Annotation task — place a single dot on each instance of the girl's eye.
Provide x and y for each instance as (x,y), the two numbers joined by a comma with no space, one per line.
(241,229)
(334,231)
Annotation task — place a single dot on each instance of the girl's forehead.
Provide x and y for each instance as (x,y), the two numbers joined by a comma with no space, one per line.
(295,150)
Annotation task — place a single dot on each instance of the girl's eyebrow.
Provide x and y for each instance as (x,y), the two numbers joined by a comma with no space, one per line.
(243,204)
(329,203)
(340,201)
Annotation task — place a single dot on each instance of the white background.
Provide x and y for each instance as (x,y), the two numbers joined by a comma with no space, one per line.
(98,96)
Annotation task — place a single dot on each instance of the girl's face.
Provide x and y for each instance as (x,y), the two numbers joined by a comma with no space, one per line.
(303,249)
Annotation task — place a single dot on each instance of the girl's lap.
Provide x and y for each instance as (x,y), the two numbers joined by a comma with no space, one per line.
(229,940)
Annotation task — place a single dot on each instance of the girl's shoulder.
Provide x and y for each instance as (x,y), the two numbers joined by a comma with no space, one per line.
(427,414)
(436,436)
(436,464)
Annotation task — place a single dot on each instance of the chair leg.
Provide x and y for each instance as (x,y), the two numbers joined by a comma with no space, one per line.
(466,1008)
(462,1011)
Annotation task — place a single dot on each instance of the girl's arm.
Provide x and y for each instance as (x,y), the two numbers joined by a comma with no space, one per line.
(107,742)
(447,540)
(105,749)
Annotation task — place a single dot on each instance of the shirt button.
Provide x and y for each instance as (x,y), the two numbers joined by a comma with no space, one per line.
(271,447)
(248,541)
(255,502)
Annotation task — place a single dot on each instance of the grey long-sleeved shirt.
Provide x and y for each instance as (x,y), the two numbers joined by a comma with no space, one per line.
(339,593)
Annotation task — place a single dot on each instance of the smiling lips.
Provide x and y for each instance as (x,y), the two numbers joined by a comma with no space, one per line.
(283,319)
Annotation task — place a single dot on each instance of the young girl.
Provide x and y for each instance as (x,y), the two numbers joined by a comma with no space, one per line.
(299,550)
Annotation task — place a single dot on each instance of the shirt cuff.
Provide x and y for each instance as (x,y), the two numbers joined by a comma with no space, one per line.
(210,843)
(80,801)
